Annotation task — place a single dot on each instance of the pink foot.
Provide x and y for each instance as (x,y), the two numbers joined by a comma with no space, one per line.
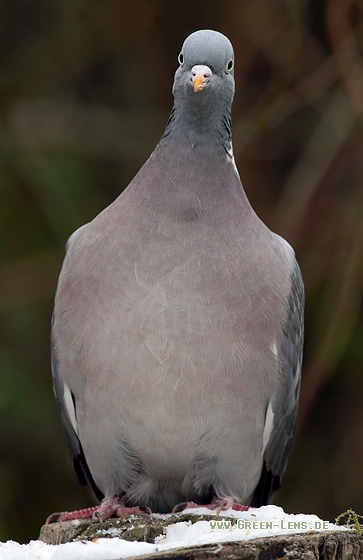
(217,503)
(113,506)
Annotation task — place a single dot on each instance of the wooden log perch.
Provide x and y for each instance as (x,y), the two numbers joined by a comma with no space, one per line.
(327,545)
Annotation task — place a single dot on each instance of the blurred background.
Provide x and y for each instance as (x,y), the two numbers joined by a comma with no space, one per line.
(85,93)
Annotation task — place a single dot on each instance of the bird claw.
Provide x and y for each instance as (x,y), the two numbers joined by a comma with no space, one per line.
(182,506)
(60,516)
(113,506)
(53,517)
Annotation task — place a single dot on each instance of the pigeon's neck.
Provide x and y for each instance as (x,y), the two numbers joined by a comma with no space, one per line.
(197,128)
(196,160)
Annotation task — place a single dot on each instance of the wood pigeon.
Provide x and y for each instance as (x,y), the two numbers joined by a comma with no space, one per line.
(177,331)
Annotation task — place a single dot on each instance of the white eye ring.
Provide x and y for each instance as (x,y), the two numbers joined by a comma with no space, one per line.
(181,59)
(230,65)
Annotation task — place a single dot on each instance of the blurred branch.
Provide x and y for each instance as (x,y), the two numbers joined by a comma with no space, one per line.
(289,101)
(341,304)
(48,124)
(332,131)
(343,37)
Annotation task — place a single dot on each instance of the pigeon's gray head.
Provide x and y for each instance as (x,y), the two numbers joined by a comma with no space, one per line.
(204,84)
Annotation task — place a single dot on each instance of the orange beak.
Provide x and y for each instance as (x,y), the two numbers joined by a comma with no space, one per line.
(198,82)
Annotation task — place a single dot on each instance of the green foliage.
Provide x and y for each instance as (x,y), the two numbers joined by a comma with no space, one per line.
(350,519)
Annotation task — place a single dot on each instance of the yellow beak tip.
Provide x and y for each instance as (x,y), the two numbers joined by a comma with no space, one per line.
(198,84)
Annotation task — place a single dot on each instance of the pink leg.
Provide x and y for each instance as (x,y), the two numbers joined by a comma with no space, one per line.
(113,506)
(217,503)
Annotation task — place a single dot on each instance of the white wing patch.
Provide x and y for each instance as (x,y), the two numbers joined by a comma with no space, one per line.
(230,158)
(269,421)
(269,424)
(69,404)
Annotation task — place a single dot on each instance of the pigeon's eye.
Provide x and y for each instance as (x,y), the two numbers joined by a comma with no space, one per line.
(181,59)
(230,65)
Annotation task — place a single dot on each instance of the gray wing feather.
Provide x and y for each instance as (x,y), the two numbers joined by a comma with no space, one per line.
(285,402)
(58,387)
(79,462)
